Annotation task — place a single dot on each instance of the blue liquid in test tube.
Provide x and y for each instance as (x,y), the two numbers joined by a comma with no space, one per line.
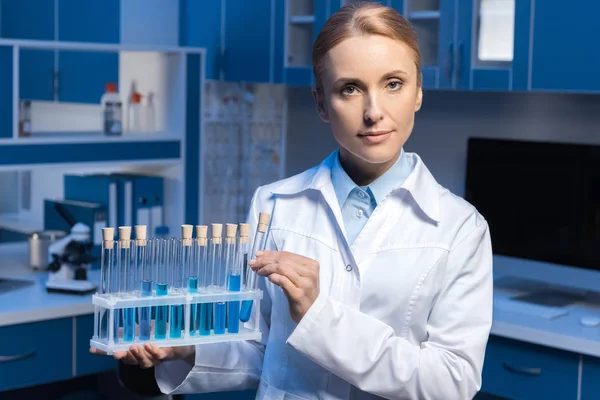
(176,318)
(215,254)
(222,274)
(235,279)
(251,277)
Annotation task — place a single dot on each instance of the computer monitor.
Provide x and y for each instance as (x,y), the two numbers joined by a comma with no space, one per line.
(541,200)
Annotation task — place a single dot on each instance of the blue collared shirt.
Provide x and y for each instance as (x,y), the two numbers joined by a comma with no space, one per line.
(358,203)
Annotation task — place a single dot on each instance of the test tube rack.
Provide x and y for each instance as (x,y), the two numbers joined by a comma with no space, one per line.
(176,291)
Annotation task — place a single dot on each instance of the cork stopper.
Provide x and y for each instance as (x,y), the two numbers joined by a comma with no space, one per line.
(108,235)
(263,222)
(140,235)
(244,232)
(186,234)
(201,233)
(230,231)
(124,236)
(216,232)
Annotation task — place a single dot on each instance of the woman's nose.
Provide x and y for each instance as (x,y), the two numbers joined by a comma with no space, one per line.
(373,111)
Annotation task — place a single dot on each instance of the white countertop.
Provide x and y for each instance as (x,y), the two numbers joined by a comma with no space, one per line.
(34,303)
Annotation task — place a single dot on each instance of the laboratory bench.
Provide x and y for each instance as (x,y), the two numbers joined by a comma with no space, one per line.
(46,337)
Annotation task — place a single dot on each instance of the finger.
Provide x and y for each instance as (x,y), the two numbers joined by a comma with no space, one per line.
(290,290)
(126,357)
(94,350)
(157,353)
(283,269)
(141,356)
(264,257)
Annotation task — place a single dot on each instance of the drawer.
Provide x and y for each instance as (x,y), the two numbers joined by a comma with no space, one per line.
(35,353)
(519,370)
(87,363)
(590,378)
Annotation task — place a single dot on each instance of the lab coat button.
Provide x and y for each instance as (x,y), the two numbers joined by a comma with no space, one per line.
(361,194)
(348,267)
(359,213)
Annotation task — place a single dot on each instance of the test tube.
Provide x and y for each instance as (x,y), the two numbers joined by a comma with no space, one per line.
(251,277)
(160,250)
(144,271)
(201,263)
(191,275)
(107,265)
(126,281)
(222,272)
(235,278)
(177,282)
(215,252)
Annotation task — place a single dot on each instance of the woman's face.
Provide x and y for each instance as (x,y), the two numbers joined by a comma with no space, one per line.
(370,96)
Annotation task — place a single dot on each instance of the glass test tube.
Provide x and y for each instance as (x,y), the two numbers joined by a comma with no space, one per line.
(222,273)
(214,253)
(126,286)
(251,277)
(190,276)
(235,279)
(177,285)
(160,250)
(144,272)
(107,265)
(201,263)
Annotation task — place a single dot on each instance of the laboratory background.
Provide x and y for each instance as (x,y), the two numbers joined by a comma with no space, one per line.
(169,112)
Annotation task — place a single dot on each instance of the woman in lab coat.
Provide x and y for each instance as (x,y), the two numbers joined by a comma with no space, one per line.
(377,281)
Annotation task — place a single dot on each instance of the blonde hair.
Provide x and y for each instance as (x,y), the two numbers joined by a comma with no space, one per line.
(363,18)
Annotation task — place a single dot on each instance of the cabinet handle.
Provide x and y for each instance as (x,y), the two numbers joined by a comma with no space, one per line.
(55,84)
(17,357)
(522,370)
(450,61)
(458,58)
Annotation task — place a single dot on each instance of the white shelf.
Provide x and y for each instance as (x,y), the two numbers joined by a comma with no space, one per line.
(89,137)
(302,19)
(78,46)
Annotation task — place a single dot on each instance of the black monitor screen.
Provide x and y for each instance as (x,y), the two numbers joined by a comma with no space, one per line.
(541,200)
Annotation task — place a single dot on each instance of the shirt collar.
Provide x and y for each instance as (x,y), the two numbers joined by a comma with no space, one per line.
(380,187)
(420,183)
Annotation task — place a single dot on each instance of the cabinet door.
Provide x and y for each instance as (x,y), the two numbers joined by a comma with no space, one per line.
(565,55)
(6,96)
(248,41)
(87,363)
(200,26)
(89,21)
(494,38)
(83,75)
(590,378)
(434,23)
(27,19)
(36,74)
(36,353)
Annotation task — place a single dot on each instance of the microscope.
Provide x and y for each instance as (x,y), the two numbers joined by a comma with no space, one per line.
(70,259)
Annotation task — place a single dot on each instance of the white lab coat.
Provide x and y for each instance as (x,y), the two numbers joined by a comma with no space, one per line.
(403,313)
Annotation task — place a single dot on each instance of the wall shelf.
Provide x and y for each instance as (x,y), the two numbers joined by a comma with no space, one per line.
(88,137)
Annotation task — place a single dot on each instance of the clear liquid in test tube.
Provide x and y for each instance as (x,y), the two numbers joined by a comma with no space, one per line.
(176,320)
(127,281)
(145,279)
(108,262)
(235,278)
(251,277)
(204,312)
(161,251)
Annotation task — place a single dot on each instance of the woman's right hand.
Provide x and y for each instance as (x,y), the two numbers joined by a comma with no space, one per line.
(149,355)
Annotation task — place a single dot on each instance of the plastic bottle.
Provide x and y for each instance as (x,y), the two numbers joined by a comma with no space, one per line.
(112,111)
(134,120)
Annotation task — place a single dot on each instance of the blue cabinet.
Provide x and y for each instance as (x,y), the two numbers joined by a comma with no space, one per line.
(519,370)
(6,95)
(590,378)
(200,26)
(36,74)
(27,19)
(89,21)
(565,57)
(36,353)
(87,363)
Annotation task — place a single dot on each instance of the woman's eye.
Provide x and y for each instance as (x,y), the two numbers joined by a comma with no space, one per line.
(395,85)
(349,90)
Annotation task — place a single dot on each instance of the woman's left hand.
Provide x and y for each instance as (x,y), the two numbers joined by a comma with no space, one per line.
(297,275)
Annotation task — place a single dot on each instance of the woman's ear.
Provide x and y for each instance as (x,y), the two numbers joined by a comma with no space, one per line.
(419,101)
(321,105)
